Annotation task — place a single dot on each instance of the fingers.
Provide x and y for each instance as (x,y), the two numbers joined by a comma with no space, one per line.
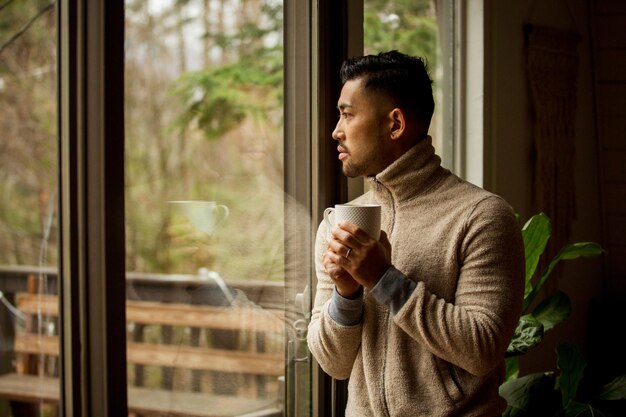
(348,230)
(347,238)
(384,240)
(346,285)
(346,243)
(339,248)
(335,261)
(333,270)
(351,250)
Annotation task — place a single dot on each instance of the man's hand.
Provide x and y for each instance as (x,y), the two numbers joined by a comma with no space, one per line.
(346,286)
(354,258)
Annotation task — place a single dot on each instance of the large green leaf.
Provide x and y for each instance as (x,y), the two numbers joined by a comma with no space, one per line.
(530,395)
(535,233)
(614,390)
(529,332)
(576,409)
(572,364)
(553,310)
(573,251)
(512,368)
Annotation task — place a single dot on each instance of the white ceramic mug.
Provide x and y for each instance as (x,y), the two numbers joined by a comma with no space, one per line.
(366,216)
(203,215)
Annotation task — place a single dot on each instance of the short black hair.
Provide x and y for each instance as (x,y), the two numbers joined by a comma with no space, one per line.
(403,78)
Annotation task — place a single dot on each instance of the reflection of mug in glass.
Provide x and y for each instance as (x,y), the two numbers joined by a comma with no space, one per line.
(203,215)
(366,216)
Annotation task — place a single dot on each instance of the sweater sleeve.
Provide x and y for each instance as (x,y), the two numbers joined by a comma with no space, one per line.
(393,289)
(346,311)
(333,344)
(474,330)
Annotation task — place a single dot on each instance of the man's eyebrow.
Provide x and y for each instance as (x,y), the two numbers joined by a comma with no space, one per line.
(343,106)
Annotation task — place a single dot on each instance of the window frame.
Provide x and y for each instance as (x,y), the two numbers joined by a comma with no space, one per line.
(337,35)
(91,207)
(466,127)
(91,170)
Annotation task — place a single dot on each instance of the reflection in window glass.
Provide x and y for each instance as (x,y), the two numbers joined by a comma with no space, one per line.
(411,27)
(28,225)
(204,195)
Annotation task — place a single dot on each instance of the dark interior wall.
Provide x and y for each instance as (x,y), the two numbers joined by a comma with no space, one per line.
(510,127)
(608,29)
(608,24)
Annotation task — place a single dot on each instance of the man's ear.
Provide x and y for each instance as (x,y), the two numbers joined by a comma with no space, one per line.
(398,123)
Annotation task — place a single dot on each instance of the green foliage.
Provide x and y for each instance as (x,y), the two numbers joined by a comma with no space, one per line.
(550,394)
(555,308)
(614,390)
(529,395)
(547,393)
(213,133)
(219,98)
(409,26)
(536,233)
(529,332)
(572,364)
(28,146)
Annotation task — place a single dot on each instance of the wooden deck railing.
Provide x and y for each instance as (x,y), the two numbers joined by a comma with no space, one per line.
(186,357)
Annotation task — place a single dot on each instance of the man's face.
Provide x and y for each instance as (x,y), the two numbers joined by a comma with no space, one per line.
(362,131)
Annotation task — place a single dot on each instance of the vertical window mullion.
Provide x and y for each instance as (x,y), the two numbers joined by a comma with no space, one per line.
(69,266)
(337,35)
(91,131)
(297,176)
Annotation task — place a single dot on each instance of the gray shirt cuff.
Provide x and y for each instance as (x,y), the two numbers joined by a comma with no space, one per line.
(393,289)
(346,311)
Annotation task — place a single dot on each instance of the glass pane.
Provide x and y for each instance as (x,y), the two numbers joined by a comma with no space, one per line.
(205,206)
(411,27)
(29,371)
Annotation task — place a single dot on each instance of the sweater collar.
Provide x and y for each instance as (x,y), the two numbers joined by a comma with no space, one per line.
(411,174)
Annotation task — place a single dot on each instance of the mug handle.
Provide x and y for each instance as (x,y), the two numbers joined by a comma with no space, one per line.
(327,214)
(224,213)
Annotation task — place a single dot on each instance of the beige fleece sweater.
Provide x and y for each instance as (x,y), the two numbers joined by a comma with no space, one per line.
(441,353)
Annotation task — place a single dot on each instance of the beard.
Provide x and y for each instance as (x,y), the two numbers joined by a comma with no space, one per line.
(352,170)
(370,163)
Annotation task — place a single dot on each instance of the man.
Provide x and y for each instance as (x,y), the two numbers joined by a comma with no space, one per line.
(419,320)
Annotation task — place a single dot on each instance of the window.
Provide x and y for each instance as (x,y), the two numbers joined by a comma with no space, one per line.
(440,31)
(29,250)
(450,35)
(206,207)
(230,152)
(411,27)
(160,111)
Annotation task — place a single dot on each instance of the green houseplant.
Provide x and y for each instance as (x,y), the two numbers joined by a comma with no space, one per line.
(549,393)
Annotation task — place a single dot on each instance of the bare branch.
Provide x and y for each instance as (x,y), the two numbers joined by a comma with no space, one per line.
(26,27)
(5,4)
